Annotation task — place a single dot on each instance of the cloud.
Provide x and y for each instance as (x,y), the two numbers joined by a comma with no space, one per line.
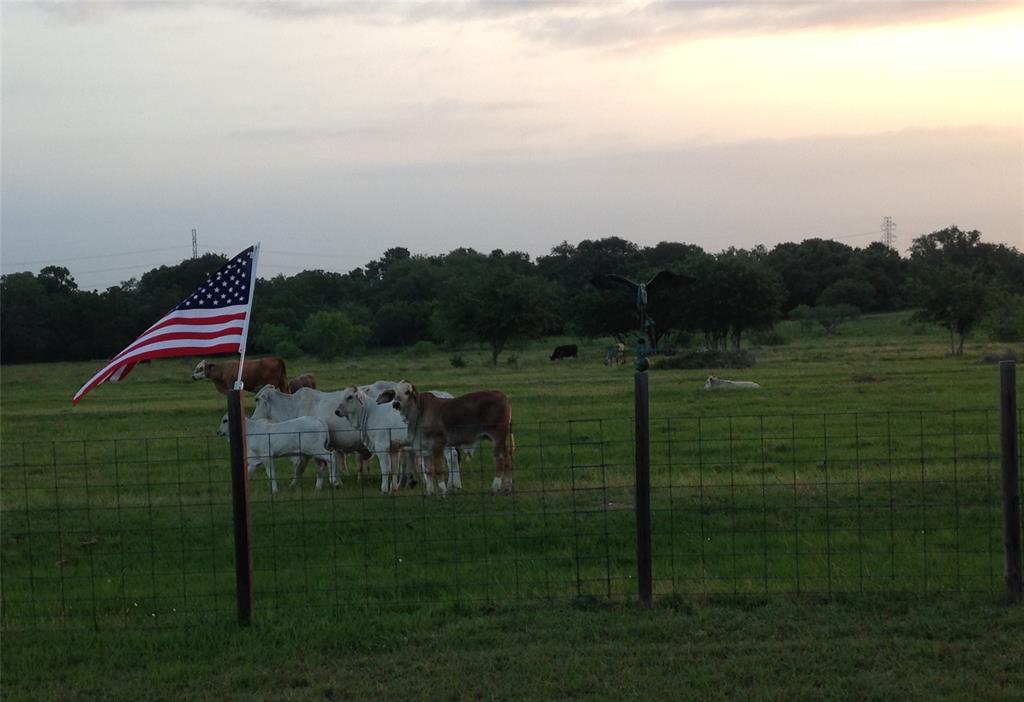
(578,24)
(662,22)
(435,118)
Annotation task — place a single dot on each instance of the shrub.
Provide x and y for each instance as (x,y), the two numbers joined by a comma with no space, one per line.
(327,335)
(804,315)
(287,349)
(999,356)
(423,348)
(512,361)
(457,361)
(706,358)
(767,337)
(269,336)
(1006,320)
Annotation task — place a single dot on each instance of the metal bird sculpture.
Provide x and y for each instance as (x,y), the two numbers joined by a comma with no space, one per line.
(663,282)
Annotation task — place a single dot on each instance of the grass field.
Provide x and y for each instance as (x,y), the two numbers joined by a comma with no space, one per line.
(866,467)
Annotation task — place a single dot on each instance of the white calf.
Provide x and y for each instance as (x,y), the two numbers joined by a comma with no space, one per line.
(301,439)
(451,454)
(382,429)
(305,402)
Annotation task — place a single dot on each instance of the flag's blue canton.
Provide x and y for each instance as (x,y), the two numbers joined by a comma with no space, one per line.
(228,286)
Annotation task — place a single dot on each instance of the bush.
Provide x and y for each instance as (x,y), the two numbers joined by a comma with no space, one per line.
(458,361)
(828,316)
(423,348)
(999,356)
(804,315)
(287,349)
(269,336)
(512,361)
(706,358)
(327,335)
(673,342)
(767,337)
(1006,320)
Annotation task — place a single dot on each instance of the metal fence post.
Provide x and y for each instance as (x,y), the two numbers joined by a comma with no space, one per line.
(240,505)
(643,489)
(1011,479)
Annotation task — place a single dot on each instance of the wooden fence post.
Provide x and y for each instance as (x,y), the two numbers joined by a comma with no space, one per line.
(240,504)
(643,489)
(1011,479)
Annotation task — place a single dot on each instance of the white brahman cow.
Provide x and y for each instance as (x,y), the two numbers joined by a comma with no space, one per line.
(300,439)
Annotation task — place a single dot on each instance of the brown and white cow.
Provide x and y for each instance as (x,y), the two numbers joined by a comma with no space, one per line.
(437,423)
(256,373)
(306,380)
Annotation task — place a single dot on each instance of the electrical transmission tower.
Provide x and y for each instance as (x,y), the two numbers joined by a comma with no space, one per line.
(195,249)
(889,233)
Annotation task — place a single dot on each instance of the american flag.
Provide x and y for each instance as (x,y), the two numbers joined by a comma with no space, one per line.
(213,319)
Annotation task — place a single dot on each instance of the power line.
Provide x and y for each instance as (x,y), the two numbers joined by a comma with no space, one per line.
(853,236)
(125,268)
(88,258)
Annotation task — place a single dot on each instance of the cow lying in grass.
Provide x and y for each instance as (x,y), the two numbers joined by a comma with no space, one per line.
(714,383)
(256,373)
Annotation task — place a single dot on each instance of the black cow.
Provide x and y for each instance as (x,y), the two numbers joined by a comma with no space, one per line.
(566,351)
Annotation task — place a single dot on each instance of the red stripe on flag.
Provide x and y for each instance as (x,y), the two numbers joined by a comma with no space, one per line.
(179,336)
(108,370)
(197,321)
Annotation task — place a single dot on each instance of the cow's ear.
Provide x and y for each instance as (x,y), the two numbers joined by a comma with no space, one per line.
(385,397)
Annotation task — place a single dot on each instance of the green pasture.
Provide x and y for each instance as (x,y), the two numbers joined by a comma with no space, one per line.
(867,466)
(868,462)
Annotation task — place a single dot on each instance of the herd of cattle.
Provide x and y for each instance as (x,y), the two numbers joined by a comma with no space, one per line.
(390,420)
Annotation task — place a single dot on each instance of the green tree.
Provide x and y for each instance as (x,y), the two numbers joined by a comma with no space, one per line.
(1005,320)
(733,294)
(25,334)
(955,279)
(952,296)
(268,336)
(853,292)
(496,304)
(808,268)
(329,334)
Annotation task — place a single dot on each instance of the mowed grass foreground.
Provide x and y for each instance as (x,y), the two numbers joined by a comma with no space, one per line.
(781,649)
(865,464)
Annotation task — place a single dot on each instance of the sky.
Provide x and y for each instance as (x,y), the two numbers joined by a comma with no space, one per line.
(333,131)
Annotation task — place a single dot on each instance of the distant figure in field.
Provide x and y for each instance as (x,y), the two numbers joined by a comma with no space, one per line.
(713,383)
(616,354)
(566,351)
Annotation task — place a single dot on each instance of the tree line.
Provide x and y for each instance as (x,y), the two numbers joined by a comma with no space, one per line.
(951,277)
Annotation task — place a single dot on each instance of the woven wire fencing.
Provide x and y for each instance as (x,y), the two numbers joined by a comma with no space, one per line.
(138,532)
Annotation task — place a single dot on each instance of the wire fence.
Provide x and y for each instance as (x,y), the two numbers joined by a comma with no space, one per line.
(139,532)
